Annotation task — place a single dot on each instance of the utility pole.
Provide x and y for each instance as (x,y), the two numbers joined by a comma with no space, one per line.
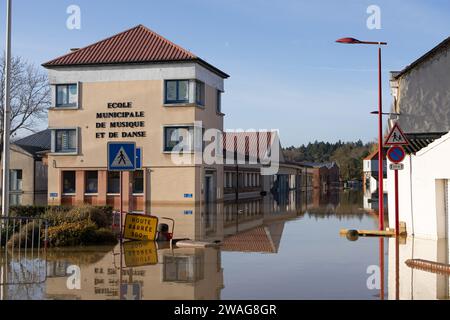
(7,114)
(380,125)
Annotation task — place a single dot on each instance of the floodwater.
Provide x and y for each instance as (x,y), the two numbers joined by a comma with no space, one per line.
(271,248)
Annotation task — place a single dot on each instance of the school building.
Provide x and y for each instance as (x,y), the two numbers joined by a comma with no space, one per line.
(134,86)
(139,87)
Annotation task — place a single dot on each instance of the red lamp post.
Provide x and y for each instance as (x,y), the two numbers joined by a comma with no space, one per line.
(380,125)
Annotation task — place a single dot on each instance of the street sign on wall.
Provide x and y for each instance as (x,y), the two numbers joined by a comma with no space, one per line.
(121,156)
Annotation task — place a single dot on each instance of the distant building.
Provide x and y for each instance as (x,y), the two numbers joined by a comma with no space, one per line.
(291,176)
(325,176)
(28,170)
(422,100)
(370,172)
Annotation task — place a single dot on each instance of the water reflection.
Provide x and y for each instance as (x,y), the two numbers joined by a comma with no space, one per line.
(284,247)
(409,283)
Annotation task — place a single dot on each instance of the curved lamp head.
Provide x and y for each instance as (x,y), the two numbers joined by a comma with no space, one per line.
(356,41)
(348,41)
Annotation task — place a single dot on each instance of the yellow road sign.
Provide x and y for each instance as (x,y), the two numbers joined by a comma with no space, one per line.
(139,227)
(140,253)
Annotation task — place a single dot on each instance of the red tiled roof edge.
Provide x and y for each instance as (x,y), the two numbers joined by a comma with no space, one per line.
(123,48)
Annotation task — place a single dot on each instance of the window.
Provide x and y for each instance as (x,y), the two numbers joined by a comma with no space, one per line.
(15,199)
(138,182)
(15,180)
(177,91)
(114,182)
(91,182)
(178,139)
(200,93)
(219,102)
(228,180)
(66,141)
(69,182)
(183,268)
(66,95)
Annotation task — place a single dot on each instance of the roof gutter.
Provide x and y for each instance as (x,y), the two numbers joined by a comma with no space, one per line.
(201,62)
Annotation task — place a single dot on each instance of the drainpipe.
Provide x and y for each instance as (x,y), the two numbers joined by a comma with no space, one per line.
(411,194)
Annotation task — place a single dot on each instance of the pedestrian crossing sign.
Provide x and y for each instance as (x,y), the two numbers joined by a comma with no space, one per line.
(121,156)
(396,137)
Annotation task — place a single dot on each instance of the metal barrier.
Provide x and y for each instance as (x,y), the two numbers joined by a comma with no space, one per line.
(23,250)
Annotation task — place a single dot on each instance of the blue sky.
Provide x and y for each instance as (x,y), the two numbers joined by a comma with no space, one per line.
(286,71)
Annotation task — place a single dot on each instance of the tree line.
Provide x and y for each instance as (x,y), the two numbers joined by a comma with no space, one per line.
(348,155)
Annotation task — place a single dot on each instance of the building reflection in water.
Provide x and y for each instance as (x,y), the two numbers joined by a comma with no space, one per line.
(407,283)
(141,270)
(152,271)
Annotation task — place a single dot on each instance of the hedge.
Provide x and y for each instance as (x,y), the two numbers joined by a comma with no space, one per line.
(67,226)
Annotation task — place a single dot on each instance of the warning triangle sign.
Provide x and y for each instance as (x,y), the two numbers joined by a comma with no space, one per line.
(122,160)
(396,137)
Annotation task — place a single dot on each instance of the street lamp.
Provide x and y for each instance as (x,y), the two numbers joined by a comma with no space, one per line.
(392,115)
(386,113)
(380,125)
(6,115)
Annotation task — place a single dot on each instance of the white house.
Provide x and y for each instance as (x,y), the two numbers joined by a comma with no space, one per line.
(421,95)
(424,192)
(370,181)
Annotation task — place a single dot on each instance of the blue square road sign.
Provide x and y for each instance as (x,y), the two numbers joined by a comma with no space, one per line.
(121,156)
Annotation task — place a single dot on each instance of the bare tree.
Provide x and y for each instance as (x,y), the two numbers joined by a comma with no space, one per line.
(30,96)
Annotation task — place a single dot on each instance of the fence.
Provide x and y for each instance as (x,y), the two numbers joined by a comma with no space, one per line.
(23,250)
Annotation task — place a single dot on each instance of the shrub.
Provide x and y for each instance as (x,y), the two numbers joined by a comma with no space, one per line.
(105,236)
(79,233)
(101,216)
(71,234)
(28,211)
(104,212)
(68,226)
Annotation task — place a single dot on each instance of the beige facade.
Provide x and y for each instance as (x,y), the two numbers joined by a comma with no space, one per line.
(165,182)
(28,178)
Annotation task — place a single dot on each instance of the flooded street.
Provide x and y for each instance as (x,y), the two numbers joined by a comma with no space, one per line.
(274,249)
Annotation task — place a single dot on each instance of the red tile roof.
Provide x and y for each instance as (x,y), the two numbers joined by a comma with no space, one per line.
(255,240)
(253,144)
(136,45)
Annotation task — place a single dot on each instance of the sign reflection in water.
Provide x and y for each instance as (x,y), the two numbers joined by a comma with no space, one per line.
(290,246)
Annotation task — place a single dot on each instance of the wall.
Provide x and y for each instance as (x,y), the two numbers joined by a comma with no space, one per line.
(421,190)
(423,98)
(22,160)
(144,87)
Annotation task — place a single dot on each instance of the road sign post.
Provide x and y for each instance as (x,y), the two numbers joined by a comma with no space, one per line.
(397,212)
(396,154)
(121,157)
